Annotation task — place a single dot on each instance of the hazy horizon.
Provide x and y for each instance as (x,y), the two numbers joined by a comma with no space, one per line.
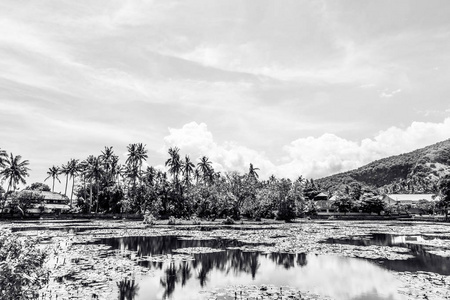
(308,88)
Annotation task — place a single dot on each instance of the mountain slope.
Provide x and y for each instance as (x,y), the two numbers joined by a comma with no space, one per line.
(416,171)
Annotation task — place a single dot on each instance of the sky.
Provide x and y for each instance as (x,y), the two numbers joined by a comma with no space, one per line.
(308,88)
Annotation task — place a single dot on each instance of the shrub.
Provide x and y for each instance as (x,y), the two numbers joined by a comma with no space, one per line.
(173,221)
(149,219)
(228,221)
(22,272)
(196,221)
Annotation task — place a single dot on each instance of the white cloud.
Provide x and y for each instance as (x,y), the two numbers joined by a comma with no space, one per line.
(312,156)
(196,140)
(387,94)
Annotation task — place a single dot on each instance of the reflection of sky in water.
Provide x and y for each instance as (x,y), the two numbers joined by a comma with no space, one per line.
(338,277)
(422,260)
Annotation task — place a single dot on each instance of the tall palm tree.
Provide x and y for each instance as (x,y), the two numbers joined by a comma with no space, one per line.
(15,171)
(132,172)
(94,171)
(252,172)
(187,169)
(107,157)
(53,172)
(83,167)
(73,169)
(141,154)
(205,167)
(65,169)
(174,163)
(137,154)
(131,154)
(197,175)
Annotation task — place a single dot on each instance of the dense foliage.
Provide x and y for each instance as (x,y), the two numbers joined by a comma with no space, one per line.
(22,272)
(188,188)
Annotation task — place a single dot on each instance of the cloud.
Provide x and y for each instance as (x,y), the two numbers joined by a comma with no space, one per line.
(387,94)
(196,140)
(311,156)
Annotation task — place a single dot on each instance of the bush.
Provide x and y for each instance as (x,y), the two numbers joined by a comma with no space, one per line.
(22,272)
(228,221)
(196,221)
(173,221)
(149,219)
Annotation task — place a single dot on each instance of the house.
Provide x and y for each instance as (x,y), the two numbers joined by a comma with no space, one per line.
(408,199)
(322,202)
(42,202)
(409,202)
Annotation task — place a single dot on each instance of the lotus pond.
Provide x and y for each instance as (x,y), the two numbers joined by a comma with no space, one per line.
(305,260)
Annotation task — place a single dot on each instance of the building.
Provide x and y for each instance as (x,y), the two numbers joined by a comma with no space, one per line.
(408,199)
(322,202)
(41,202)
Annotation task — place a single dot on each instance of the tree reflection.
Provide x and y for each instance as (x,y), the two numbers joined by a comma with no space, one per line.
(286,260)
(169,280)
(180,272)
(254,264)
(302,260)
(185,271)
(128,289)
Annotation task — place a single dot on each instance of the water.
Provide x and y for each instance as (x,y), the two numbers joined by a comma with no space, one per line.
(337,277)
(422,260)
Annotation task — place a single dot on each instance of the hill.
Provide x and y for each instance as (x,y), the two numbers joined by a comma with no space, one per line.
(413,172)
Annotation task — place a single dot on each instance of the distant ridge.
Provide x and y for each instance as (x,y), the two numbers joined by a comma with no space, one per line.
(414,172)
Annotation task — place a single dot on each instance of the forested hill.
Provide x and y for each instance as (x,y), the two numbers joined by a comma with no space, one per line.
(414,172)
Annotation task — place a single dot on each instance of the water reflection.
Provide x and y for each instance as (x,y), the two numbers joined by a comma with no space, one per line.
(422,260)
(128,289)
(160,245)
(336,277)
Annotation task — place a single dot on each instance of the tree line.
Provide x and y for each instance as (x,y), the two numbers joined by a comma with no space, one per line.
(101,183)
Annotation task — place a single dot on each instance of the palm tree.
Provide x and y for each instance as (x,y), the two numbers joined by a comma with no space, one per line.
(187,169)
(65,169)
(3,158)
(94,171)
(141,154)
(174,163)
(137,154)
(252,172)
(197,175)
(205,167)
(150,175)
(15,171)
(83,167)
(53,172)
(132,172)
(131,154)
(108,158)
(73,169)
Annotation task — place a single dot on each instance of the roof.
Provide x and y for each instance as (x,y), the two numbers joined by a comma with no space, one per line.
(57,206)
(48,195)
(321,196)
(413,197)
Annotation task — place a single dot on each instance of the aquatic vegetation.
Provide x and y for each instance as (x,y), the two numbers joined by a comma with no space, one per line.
(22,271)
